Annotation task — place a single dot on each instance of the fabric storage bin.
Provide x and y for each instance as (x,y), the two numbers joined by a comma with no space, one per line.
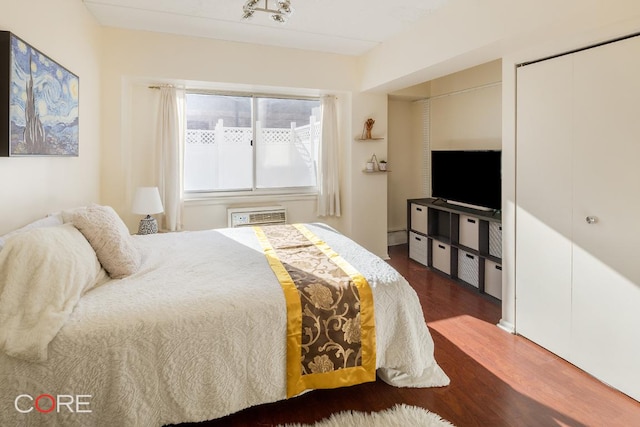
(441,256)
(418,247)
(495,239)
(419,218)
(493,279)
(468,231)
(468,268)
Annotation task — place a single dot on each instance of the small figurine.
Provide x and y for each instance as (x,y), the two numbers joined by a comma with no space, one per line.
(366,131)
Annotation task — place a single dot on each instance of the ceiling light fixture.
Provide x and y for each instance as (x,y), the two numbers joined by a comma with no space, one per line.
(280,12)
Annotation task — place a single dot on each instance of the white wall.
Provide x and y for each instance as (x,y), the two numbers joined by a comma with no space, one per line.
(34,186)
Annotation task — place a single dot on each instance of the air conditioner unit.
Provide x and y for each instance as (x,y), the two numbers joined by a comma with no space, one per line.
(267,215)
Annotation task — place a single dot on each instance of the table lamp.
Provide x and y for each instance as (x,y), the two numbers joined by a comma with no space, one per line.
(147,202)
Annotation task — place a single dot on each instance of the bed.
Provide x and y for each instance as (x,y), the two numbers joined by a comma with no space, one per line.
(194,332)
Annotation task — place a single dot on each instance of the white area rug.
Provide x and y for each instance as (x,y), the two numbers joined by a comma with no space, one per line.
(398,416)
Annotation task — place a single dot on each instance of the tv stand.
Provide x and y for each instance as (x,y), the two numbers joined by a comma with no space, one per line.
(462,242)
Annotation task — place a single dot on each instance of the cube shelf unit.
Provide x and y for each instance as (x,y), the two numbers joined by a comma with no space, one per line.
(460,242)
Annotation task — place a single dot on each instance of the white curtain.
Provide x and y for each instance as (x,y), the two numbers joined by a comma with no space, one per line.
(170,158)
(329,161)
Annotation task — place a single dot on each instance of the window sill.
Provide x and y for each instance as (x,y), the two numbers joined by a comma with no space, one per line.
(196,200)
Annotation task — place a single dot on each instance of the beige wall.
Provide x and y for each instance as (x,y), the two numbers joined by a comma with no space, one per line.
(463,34)
(456,37)
(465,113)
(405,159)
(34,186)
(368,201)
(466,109)
(135,59)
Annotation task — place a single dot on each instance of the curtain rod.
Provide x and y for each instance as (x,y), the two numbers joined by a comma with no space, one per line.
(245,94)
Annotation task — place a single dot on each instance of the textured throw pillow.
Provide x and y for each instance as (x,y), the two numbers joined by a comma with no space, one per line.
(110,238)
(43,273)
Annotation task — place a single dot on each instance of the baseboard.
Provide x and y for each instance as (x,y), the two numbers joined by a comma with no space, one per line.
(398,237)
(506,326)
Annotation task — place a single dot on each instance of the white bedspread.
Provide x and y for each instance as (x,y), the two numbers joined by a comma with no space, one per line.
(198,333)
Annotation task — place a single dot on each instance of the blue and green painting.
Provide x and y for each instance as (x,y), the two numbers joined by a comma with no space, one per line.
(43,104)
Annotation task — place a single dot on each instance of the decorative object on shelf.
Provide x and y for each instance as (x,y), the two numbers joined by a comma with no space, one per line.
(366,129)
(38,102)
(280,12)
(147,202)
(372,164)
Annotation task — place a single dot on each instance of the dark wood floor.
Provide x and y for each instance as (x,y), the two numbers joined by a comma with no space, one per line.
(497,379)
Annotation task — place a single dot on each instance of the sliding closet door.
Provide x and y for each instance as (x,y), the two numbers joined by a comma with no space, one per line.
(606,181)
(543,214)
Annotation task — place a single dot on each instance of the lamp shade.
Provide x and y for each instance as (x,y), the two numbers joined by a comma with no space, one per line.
(147,201)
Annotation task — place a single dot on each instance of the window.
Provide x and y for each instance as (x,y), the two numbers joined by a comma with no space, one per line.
(237,143)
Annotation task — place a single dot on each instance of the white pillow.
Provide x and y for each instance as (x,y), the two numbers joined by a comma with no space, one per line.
(43,274)
(48,221)
(110,238)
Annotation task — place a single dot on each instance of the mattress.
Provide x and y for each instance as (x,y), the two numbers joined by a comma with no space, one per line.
(196,334)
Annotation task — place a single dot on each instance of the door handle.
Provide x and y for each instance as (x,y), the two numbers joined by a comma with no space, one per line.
(591,219)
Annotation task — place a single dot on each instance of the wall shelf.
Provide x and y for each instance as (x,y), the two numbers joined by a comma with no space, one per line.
(368,139)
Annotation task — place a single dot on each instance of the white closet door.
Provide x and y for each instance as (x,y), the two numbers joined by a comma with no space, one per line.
(543,213)
(606,179)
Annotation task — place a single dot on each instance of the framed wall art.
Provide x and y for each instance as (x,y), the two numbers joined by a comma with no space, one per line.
(38,102)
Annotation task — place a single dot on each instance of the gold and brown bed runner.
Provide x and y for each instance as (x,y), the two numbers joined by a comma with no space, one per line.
(330,321)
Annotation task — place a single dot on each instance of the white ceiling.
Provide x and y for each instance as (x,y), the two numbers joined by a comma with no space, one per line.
(349,27)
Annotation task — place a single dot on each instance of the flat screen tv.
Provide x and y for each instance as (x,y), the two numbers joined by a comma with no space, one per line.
(467,177)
